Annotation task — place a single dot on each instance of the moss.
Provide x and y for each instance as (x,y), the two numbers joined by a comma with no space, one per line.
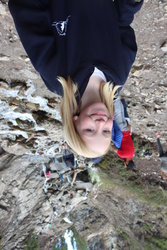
(142,147)
(113,174)
(149,194)
(81,243)
(94,176)
(62,246)
(150,242)
(24,124)
(32,243)
(104,164)
(110,167)
(110,160)
(155,243)
(117,176)
(161,243)
(125,236)
(129,242)
(106,181)
(149,246)
(124,173)
(148,227)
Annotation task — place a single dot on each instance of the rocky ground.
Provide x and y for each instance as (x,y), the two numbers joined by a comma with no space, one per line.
(43,202)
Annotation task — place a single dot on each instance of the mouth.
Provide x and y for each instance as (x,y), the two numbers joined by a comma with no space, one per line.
(100,113)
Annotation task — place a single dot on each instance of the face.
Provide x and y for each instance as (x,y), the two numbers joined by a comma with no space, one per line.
(94,126)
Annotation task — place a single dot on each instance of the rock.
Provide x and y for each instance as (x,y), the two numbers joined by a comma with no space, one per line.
(54,176)
(164,47)
(1,150)
(6,161)
(67,220)
(16,149)
(84,185)
(58,166)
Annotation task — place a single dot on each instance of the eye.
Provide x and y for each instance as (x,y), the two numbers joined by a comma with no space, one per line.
(106,132)
(89,130)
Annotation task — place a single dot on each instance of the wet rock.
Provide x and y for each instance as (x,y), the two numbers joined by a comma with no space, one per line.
(16,149)
(1,150)
(86,217)
(59,166)
(84,185)
(6,161)
(83,176)
(164,46)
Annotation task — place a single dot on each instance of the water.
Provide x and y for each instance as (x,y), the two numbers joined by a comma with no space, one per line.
(71,240)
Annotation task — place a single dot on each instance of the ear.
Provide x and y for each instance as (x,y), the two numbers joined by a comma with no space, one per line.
(75,117)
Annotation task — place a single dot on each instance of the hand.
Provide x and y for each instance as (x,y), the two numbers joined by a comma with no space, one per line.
(114,149)
(130,129)
(158,134)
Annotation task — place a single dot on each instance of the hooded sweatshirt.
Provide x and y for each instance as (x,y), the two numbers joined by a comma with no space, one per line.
(71,38)
(127,149)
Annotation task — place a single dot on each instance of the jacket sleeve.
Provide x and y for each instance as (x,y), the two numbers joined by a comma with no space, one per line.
(160,149)
(32,23)
(126,10)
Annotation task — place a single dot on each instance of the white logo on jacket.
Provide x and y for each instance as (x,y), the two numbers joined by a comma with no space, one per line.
(61,26)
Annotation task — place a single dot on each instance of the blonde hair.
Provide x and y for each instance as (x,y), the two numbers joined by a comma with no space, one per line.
(70,107)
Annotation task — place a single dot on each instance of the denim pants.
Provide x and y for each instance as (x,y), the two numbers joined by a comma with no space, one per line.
(119,115)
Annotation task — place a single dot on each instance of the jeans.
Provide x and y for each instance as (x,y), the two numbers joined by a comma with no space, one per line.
(119,115)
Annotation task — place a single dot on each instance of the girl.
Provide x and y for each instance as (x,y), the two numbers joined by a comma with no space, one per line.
(163,158)
(122,141)
(89,43)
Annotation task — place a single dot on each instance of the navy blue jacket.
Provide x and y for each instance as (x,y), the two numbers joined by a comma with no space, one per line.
(70,37)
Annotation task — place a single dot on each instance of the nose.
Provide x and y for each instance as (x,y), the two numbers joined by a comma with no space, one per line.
(100,123)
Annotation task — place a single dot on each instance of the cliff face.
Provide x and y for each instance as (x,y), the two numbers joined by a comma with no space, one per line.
(45,204)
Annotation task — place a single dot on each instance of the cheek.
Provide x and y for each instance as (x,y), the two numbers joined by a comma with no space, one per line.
(110,124)
(82,124)
(78,124)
